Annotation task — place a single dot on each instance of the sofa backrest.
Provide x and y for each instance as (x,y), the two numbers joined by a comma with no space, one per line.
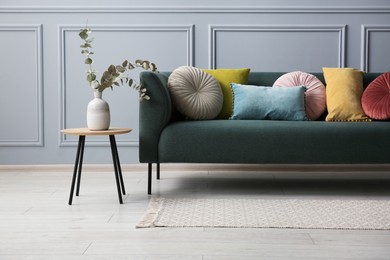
(268,78)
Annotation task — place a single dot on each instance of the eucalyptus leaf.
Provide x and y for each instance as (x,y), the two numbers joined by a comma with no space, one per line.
(94,84)
(86,45)
(130,66)
(130,83)
(139,62)
(120,69)
(145,65)
(88,61)
(111,69)
(105,76)
(91,77)
(153,67)
(83,34)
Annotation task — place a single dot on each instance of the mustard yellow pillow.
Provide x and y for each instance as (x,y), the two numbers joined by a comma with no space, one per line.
(225,77)
(344,89)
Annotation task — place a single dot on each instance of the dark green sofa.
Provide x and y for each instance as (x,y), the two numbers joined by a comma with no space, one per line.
(166,137)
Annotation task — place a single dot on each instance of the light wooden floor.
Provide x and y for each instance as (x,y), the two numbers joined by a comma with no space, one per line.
(37,223)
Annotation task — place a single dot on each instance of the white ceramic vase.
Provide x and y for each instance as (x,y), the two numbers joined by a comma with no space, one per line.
(98,113)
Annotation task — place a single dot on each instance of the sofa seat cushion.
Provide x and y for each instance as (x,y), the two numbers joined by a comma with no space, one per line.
(272,141)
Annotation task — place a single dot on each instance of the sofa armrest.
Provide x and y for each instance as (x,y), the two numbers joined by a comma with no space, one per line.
(154,114)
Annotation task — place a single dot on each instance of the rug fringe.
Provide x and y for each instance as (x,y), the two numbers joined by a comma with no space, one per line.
(149,218)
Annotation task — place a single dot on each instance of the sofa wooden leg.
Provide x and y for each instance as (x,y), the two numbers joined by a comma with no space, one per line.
(149,178)
(158,171)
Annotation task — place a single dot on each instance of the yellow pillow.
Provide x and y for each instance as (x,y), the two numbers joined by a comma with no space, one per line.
(344,89)
(225,77)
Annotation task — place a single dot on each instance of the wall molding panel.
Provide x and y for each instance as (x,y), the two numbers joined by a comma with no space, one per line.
(340,30)
(188,30)
(37,140)
(366,32)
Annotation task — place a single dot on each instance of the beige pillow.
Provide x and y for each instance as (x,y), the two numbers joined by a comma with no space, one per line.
(344,89)
(195,93)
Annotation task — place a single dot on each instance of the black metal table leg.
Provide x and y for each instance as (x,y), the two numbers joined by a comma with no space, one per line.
(118,165)
(81,156)
(77,164)
(118,173)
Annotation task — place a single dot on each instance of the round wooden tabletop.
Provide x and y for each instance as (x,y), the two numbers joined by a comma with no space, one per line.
(86,131)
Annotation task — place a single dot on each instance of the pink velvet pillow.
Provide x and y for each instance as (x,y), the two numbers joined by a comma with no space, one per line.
(315,95)
(376,98)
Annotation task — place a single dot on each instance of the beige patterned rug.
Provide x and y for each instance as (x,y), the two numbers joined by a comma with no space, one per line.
(267,213)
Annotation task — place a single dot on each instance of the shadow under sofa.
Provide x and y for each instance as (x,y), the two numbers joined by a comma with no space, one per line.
(166,137)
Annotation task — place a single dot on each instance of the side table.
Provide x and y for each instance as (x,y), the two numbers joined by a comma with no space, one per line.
(82,133)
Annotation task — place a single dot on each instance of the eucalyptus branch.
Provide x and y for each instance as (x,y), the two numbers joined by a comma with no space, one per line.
(114,75)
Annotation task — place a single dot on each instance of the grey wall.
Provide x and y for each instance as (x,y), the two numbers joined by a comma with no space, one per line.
(42,75)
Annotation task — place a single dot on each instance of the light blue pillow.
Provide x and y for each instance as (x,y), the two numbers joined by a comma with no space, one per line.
(273,103)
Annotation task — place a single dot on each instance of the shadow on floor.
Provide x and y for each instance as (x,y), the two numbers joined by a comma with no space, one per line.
(300,184)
